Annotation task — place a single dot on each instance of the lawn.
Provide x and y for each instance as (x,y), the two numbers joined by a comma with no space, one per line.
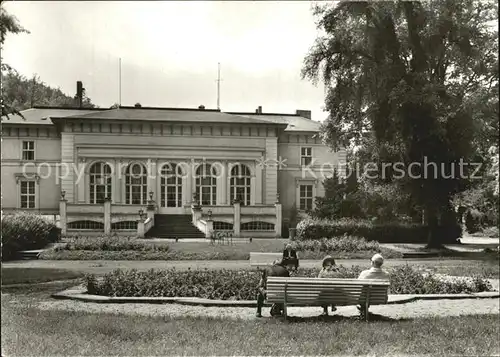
(204,251)
(29,331)
(12,276)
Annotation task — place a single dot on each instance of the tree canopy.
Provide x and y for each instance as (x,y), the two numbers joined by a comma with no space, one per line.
(417,81)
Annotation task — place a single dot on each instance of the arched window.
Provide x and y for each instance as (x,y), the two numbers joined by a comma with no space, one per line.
(206,185)
(240,184)
(100,182)
(136,184)
(171,185)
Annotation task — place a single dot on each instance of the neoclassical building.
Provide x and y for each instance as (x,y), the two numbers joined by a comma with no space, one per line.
(165,172)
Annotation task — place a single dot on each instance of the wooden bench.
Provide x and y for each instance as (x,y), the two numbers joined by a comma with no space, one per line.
(264,259)
(297,291)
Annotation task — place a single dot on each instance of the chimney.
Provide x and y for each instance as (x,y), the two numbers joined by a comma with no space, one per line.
(201,107)
(303,113)
(79,93)
(138,105)
(259,110)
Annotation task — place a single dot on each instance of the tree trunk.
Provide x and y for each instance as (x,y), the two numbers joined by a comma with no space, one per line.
(433,238)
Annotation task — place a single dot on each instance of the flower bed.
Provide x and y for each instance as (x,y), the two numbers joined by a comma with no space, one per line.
(241,285)
(119,248)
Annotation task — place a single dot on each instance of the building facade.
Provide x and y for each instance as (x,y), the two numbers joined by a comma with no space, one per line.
(115,170)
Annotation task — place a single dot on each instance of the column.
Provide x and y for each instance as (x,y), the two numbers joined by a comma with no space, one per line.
(224,185)
(107,216)
(187,182)
(117,182)
(62,215)
(237,219)
(257,183)
(151,167)
(81,181)
(279,217)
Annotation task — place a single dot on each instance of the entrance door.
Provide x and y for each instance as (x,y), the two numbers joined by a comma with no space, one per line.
(171,190)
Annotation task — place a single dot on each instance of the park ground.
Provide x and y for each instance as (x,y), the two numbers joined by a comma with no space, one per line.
(35,324)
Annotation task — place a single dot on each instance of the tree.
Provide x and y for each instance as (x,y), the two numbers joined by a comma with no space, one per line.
(24,93)
(407,72)
(8,24)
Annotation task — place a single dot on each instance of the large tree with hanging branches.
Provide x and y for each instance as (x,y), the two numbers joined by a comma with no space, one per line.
(419,79)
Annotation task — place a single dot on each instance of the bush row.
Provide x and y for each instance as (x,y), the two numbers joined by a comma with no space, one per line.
(112,243)
(397,232)
(26,231)
(241,285)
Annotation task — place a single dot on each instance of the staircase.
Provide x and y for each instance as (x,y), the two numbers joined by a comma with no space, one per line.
(174,226)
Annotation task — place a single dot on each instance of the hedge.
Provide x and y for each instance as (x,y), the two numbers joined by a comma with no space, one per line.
(396,232)
(26,231)
(241,285)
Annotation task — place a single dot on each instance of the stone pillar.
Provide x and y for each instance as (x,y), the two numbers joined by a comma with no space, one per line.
(196,210)
(107,216)
(140,228)
(117,182)
(62,215)
(210,228)
(237,219)
(279,217)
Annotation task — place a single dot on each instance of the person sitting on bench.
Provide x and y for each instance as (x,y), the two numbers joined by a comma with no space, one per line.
(277,269)
(328,271)
(290,257)
(375,272)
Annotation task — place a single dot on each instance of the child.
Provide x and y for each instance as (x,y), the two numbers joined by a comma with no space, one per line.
(328,271)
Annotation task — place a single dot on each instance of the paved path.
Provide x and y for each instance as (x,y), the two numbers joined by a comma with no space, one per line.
(105,266)
(416,309)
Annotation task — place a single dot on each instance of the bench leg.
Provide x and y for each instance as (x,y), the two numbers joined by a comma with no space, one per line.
(285,312)
(367,313)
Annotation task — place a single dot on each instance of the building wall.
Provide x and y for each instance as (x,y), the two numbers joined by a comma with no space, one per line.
(80,145)
(292,174)
(43,169)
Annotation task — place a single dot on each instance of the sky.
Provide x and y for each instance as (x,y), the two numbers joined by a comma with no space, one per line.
(169,52)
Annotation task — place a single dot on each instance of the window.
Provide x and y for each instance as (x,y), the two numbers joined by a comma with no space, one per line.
(257,226)
(28,150)
(27,194)
(222,226)
(206,185)
(305,156)
(171,185)
(240,184)
(306,197)
(124,225)
(136,184)
(100,182)
(92,225)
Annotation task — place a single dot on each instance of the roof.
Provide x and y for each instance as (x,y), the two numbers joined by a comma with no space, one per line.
(166,115)
(295,122)
(38,116)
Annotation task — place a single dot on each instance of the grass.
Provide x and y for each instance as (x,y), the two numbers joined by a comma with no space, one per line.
(204,251)
(29,331)
(36,275)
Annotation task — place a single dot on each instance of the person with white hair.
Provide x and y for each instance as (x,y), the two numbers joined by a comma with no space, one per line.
(290,257)
(375,272)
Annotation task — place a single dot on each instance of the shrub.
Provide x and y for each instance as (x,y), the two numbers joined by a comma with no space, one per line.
(473,220)
(26,231)
(344,243)
(381,232)
(396,232)
(112,243)
(241,285)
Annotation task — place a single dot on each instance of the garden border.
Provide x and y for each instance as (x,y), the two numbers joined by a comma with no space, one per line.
(80,294)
